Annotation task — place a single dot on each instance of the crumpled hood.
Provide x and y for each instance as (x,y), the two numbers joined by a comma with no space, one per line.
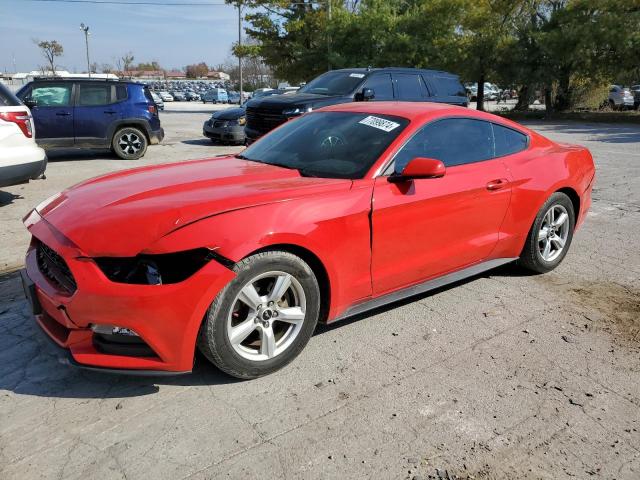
(121,214)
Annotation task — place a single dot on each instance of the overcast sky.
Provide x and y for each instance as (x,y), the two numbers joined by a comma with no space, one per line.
(174,36)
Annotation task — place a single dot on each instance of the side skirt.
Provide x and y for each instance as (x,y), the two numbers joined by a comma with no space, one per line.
(423,287)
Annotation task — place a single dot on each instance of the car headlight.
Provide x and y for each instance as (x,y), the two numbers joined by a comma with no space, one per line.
(158,269)
(242,120)
(296,111)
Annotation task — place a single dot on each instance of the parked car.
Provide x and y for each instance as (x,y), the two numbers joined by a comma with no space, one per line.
(349,85)
(635,90)
(158,101)
(620,98)
(333,214)
(215,95)
(76,113)
(21,159)
(491,91)
(234,97)
(191,96)
(178,96)
(166,96)
(226,126)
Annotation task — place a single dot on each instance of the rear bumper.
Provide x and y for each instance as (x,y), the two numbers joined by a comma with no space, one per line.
(167,318)
(156,136)
(31,169)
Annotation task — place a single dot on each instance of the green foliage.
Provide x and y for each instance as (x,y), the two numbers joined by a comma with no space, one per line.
(561,47)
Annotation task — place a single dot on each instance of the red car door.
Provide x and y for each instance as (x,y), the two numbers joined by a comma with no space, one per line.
(427,227)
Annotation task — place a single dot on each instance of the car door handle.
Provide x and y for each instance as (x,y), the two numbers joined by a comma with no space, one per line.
(63,114)
(497,184)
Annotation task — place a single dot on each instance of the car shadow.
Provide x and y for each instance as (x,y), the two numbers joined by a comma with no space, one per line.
(205,142)
(7,198)
(74,155)
(29,362)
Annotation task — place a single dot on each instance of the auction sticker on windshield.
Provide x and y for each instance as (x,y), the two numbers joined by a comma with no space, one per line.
(379,123)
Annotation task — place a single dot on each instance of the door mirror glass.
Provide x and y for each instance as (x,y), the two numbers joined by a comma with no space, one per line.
(420,167)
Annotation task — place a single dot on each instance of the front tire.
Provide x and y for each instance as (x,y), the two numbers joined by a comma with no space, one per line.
(264,317)
(550,236)
(129,143)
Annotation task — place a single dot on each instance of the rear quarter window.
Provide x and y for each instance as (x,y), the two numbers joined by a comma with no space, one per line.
(448,86)
(508,141)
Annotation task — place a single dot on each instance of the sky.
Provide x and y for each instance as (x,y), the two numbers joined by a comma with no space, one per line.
(174,36)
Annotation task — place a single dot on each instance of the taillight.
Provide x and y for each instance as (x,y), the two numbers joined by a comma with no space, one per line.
(153,109)
(22,119)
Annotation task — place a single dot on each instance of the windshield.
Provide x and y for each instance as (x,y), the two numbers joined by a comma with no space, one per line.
(328,144)
(333,83)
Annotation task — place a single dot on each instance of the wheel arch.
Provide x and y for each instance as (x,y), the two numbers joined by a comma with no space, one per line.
(574,197)
(135,123)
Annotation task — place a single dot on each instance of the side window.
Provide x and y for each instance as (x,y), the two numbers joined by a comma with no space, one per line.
(381,86)
(409,86)
(121,92)
(448,86)
(51,95)
(454,141)
(508,141)
(93,95)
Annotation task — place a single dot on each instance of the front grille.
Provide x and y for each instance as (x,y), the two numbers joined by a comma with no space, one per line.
(264,120)
(54,267)
(220,123)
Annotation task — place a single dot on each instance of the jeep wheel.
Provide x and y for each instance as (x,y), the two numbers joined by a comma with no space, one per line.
(129,143)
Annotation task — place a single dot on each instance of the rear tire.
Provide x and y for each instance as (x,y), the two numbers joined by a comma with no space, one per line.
(263,318)
(550,236)
(129,143)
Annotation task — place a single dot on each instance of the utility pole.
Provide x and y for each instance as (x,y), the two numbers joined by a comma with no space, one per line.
(240,46)
(328,34)
(85,29)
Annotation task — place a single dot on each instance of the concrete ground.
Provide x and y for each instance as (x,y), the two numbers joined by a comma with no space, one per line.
(502,376)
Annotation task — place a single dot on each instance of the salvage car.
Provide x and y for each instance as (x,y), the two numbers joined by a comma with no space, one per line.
(226,126)
(334,213)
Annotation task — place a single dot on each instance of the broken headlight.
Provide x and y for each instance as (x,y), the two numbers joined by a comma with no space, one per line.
(157,269)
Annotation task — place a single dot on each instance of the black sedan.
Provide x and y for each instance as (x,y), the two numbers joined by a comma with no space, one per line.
(226,126)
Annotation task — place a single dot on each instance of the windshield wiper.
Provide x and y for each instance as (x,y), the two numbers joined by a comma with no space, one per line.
(241,157)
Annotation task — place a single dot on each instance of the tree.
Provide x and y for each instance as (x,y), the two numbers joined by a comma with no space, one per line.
(50,50)
(124,63)
(198,70)
(153,65)
(107,68)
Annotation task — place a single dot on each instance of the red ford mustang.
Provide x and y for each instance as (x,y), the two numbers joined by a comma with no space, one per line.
(334,213)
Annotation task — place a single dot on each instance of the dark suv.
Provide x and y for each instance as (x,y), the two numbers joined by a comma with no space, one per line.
(354,84)
(76,113)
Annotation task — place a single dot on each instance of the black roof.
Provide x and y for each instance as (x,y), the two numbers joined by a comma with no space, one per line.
(393,69)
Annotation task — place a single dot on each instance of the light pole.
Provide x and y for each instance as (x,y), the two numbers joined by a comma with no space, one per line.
(85,29)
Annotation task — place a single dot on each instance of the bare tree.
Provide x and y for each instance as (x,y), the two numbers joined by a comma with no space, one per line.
(124,63)
(107,68)
(50,50)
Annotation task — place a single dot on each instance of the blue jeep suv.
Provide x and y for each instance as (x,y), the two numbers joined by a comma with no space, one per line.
(78,113)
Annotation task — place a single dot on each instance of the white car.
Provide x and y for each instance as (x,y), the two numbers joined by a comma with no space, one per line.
(21,159)
(166,97)
(620,97)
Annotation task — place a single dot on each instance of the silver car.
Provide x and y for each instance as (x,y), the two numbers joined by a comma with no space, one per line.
(620,98)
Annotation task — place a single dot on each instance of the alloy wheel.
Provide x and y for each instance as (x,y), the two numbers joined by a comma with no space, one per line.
(130,143)
(267,315)
(553,233)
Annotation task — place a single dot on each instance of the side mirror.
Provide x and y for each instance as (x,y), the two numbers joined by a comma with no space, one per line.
(419,167)
(365,95)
